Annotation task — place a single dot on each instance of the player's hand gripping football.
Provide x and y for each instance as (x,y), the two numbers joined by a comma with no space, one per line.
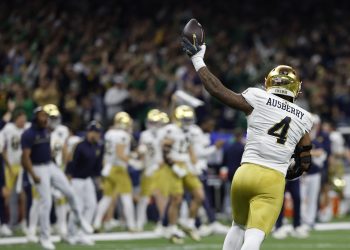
(193,43)
(192,48)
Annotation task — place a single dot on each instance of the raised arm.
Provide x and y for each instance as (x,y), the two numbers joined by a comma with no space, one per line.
(215,88)
(211,83)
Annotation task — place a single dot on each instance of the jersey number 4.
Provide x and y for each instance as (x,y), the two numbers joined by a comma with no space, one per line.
(280,130)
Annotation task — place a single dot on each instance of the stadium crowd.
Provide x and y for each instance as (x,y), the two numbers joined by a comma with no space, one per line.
(95,60)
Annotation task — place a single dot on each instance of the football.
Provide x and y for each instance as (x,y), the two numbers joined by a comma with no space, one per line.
(194,30)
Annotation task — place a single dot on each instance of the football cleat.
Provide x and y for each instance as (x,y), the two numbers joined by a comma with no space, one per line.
(190,229)
(111,224)
(282,232)
(31,237)
(205,230)
(218,228)
(300,233)
(283,80)
(47,244)
(159,229)
(84,240)
(5,230)
(175,239)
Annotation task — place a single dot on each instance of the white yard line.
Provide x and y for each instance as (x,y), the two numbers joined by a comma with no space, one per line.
(152,235)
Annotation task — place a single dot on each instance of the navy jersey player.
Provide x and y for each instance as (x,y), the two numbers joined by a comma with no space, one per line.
(37,161)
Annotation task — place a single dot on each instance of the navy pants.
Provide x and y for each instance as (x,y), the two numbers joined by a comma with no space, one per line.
(208,194)
(293,187)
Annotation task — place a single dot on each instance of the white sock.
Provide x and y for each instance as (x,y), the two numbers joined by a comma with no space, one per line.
(128,208)
(253,238)
(102,208)
(142,212)
(234,238)
(34,216)
(61,213)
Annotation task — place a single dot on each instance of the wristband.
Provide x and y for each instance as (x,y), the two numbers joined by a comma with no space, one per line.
(198,62)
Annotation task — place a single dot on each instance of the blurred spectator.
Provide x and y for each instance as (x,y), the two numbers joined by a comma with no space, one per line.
(46,93)
(115,96)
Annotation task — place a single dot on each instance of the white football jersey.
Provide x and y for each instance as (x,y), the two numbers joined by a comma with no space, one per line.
(58,139)
(275,127)
(12,136)
(201,146)
(153,155)
(72,141)
(114,137)
(337,142)
(181,143)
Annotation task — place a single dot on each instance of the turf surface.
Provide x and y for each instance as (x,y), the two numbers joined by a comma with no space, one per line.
(326,240)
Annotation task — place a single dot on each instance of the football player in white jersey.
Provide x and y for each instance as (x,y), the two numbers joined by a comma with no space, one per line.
(203,150)
(14,173)
(152,178)
(277,128)
(116,179)
(72,142)
(182,160)
(59,136)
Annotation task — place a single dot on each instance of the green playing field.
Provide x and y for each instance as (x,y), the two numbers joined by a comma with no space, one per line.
(325,240)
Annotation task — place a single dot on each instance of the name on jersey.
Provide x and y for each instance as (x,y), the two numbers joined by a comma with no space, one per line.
(284,106)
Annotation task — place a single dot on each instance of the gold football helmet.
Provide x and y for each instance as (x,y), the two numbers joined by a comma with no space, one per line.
(153,119)
(122,120)
(153,115)
(184,116)
(164,118)
(283,80)
(51,110)
(54,115)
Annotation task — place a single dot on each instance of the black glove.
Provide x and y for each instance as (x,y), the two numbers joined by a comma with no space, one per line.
(190,48)
(294,172)
(300,164)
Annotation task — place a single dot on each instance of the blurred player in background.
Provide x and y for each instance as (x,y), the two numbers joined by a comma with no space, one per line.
(58,137)
(14,173)
(4,193)
(86,165)
(311,182)
(37,160)
(116,179)
(181,159)
(152,179)
(203,150)
(276,128)
(297,231)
